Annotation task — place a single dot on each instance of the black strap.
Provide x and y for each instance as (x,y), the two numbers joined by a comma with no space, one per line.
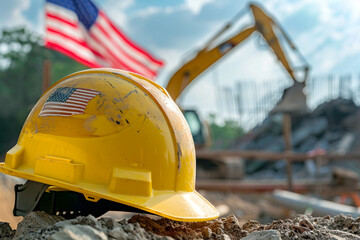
(31,196)
(27,197)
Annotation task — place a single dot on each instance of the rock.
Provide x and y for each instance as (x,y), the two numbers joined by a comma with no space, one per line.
(206,232)
(5,231)
(35,221)
(345,143)
(309,128)
(263,235)
(343,235)
(118,233)
(76,232)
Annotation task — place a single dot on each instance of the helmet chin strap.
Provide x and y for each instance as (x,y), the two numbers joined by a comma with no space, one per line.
(32,196)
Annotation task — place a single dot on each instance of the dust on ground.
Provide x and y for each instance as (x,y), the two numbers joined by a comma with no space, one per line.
(39,225)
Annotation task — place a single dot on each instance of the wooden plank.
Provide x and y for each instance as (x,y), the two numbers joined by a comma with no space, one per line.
(271,156)
(258,186)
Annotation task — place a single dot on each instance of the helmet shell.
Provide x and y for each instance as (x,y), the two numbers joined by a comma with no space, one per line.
(114,135)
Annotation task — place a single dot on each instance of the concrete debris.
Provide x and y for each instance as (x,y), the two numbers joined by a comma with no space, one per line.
(39,225)
(228,228)
(34,222)
(73,232)
(263,235)
(333,127)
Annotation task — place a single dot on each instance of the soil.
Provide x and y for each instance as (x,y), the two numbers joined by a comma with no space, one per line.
(301,227)
(39,225)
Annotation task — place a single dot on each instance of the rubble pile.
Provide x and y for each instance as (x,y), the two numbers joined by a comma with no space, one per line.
(301,227)
(39,225)
(333,127)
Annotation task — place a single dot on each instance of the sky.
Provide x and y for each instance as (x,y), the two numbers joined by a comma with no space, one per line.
(327,33)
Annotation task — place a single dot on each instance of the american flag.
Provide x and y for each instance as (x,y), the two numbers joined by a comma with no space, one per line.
(67,101)
(78,29)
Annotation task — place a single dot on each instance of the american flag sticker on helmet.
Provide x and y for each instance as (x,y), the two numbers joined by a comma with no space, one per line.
(67,101)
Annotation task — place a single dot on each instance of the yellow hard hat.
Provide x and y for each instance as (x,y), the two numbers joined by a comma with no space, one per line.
(112,135)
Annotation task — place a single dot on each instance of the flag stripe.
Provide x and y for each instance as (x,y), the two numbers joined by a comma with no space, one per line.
(97,56)
(85,91)
(58,47)
(61,12)
(57,37)
(55,114)
(66,29)
(55,104)
(59,111)
(99,46)
(54,16)
(78,99)
(63,108)
(83,32)
(77,102)
(104,39)
(53,31)
(70,21)
(133,53)
(78,95)
(73,46)
(85,95)
(130,43)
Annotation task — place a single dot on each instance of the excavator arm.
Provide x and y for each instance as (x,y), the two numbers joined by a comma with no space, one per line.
(266,26)
(203,60)
(206,57)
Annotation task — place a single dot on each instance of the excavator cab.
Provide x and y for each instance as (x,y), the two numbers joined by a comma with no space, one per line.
(197,127)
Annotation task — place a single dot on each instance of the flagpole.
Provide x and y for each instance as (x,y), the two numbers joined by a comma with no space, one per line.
(46,74)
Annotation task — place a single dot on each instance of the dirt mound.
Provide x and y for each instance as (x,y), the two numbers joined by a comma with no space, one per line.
(307,227)
(217,229)
(39,225)
(301,227)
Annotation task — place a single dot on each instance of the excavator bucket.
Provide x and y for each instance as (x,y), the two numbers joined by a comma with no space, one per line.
(293,100)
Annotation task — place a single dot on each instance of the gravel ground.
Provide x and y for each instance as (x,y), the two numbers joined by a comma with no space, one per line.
(39,225)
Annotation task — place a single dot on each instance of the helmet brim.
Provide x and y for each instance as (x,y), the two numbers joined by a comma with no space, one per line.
(175,205)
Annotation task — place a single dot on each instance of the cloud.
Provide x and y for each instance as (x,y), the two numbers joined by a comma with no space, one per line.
(11,13)
(117,11)
(196,6)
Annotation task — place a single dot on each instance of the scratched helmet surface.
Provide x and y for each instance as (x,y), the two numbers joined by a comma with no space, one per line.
(114,135)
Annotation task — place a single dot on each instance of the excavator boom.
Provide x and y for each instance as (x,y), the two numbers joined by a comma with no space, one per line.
(265,25)
(203,60)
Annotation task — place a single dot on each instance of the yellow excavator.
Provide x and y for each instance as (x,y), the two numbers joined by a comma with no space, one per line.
(293,99)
